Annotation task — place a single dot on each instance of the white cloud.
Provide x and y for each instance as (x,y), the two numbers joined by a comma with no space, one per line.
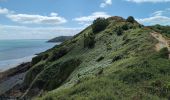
(86,20)
(157,17)
(37,19)
(163,20)
(151,1)
(23,32)
(106,3)
(53,18)
(158,13)
(4,11)
(54,14)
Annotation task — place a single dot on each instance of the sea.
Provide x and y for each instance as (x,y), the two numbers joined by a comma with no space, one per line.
(15,52)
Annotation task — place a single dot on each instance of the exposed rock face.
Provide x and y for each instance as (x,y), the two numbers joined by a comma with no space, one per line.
(12,78)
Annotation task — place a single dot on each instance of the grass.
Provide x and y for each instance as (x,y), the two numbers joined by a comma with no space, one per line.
(129,64)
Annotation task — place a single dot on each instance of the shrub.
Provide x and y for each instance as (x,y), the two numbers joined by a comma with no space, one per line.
(119,31)
(60,53)
(109,46)
(132,77)
(99,24)
(164,53)
(89,40)
(45,56)
(130,19)
(116,58)
(56,74)
(159,88)
(36,59)
(100,59)
(32,73)
(125,27)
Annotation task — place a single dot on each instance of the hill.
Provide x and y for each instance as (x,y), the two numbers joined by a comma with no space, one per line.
(113,58)
(60,39)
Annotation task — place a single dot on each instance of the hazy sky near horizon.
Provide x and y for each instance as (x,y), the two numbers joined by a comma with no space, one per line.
(45,19)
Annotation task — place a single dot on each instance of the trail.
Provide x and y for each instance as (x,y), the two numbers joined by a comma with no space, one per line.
(162,41)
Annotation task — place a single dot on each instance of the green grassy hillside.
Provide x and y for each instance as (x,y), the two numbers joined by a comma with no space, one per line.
(114,61)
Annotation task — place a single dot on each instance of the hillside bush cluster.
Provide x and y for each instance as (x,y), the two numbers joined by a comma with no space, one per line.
(99,24)
(164,53)
(36,59)
(56,74)
(61,52)
(89,40)
(119,31)
(130,19)
(159,88)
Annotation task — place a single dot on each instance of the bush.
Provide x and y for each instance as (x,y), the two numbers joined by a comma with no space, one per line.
(100,59)
(56,74)
(89,40)
(116,58)
(132,77)
(99,24)
(119,31)
(164,53)
(130,19)
(60,53)
(36,59)
(159,88)
(109,46)
(125,27)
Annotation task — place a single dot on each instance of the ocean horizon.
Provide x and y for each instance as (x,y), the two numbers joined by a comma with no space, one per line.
(15,52)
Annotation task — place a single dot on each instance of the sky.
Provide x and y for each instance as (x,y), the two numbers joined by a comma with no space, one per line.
(45,19)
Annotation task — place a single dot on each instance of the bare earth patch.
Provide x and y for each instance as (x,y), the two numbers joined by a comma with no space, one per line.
(162,41)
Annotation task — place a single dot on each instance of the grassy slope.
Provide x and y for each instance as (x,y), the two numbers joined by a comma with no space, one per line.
(131,68)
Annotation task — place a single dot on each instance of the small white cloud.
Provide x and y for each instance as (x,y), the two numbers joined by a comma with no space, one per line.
(4,11)
(86,20)
(106,3)
(158,13)
(151,1)
(54,14)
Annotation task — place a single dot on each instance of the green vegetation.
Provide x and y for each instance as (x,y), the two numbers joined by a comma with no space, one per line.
(164,30)
(60,39)
(89,40)
(99,24)
(119,31)
(118,63)
(130,19)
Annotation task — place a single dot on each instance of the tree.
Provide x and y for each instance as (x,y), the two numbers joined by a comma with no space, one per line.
(99,24)
(119,31)
(164,53)
(89,40)
(130,19)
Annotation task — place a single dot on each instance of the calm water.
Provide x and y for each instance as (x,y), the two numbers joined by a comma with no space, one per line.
(14,52)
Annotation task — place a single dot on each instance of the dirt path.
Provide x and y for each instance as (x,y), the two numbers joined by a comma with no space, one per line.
(163,42)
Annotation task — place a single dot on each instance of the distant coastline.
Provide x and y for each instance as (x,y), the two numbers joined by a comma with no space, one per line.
(16,52)
(59,39)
